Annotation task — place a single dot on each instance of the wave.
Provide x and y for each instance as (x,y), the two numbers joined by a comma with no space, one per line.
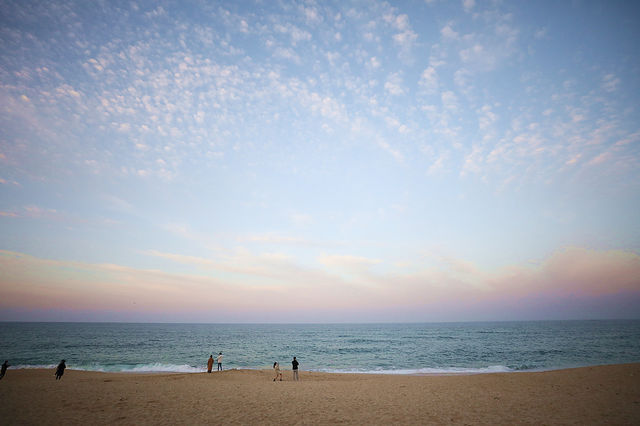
(184,368)
(123,368)
(420,371)
(33,366)
(141,368)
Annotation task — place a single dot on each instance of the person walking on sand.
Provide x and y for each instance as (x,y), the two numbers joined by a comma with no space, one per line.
(276,367)
(60,369)
(3,370)
(219,361)
(295,363)
(210,364)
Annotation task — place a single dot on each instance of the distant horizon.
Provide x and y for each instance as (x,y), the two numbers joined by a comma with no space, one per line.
(322,323)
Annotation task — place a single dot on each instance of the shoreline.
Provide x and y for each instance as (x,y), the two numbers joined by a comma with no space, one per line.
(586,395)
(374,373)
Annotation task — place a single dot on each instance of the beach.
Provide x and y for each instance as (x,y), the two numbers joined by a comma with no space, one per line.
(589,395)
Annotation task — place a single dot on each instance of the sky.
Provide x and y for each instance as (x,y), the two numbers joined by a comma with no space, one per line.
(319,161)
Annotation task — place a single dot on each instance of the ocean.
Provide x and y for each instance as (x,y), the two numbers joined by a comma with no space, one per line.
(431,348)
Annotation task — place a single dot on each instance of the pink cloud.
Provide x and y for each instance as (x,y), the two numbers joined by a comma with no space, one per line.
(572,282)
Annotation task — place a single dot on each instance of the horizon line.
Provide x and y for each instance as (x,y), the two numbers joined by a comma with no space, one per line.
(318,323)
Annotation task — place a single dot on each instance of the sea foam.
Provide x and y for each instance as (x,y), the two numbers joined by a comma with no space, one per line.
(426,371)
(139,368)
(183,368)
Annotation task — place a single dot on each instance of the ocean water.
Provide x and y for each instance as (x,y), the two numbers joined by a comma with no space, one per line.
(361,348)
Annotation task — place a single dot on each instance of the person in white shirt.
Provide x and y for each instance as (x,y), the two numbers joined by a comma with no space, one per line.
(219,360)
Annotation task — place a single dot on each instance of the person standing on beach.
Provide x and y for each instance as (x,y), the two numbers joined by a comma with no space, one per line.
(210,364)
(294,363)
(3,371)
(276,367)
(60,369)
(220,361)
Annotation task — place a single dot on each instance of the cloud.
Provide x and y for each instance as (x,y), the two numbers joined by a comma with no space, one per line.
(628,139)
(473,161)
(468,5)
(348,262)
(486,50)
(311,15)
(374,63)
(244,282)
(447,32)
(590,272)
(449,101)
(182,230)
(610,83)
(157,12)
(438,166)
(47,284)
(462,79)
(67,90)
(278,239)
(600,159)
(8,182)
(118,204)
(35,212)
(326,106)
(405,38)
(429,80)
(387,147)
(161,108)
(297,35)
(394,85)
(244,26)
(478,55)
(486,117)
(572,275)
(180,258)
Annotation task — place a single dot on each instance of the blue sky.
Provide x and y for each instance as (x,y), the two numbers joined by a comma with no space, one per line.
(319,161)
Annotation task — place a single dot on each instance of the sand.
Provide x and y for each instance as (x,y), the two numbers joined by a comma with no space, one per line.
(591,395)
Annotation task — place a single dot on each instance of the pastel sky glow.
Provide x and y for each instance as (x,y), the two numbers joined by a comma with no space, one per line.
(311,161)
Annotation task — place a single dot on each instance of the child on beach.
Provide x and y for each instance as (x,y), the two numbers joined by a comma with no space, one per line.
(276,367)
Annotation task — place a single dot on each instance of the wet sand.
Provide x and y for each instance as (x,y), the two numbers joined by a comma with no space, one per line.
(590,395)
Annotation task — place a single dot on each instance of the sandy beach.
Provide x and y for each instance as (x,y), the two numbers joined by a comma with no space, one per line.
(590,395)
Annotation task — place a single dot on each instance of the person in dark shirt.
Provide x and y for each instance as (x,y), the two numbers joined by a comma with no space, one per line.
(3,371)
(210,364)
(60,369)
(294,363)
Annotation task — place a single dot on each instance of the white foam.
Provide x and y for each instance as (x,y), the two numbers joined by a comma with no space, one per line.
(42,367)
(184,368)
(124,368)
(420,371)
(140,368)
